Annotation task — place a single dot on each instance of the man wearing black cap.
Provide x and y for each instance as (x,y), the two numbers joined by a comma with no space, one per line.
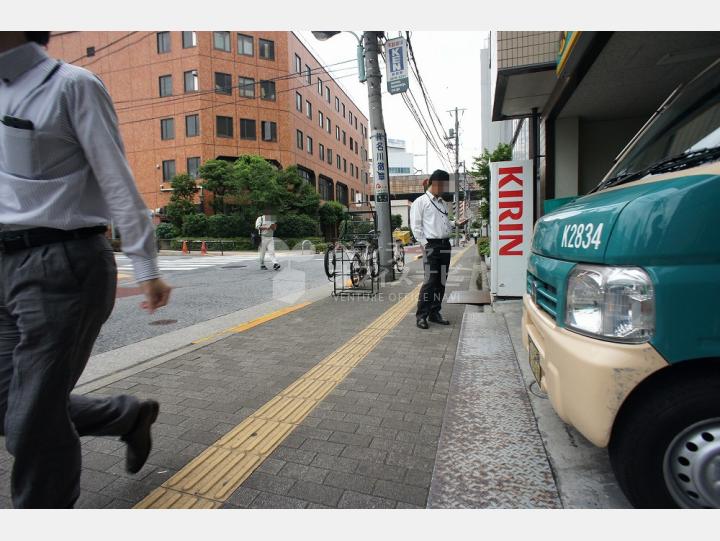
(432,227)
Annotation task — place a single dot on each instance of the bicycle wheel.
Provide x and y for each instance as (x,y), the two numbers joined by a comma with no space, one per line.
(374,263)
(399,257)
(330,261)
(356,270)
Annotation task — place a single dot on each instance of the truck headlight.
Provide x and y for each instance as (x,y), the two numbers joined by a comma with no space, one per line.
(613,303)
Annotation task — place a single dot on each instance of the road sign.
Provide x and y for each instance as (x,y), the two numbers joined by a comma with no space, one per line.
(380,169)
(396,65)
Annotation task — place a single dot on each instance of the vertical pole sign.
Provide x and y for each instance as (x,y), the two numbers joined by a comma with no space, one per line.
(396,55)
(511,222)
(380,170)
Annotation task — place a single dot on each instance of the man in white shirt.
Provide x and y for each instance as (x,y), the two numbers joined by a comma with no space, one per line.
(267,226)
(63,175)
(432,228)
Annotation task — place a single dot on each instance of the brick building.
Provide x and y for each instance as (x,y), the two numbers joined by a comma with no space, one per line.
(186,97)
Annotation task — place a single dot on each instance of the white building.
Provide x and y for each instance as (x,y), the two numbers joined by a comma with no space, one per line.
(400,161)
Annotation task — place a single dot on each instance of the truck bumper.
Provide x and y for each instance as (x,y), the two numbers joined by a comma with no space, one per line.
(586,379)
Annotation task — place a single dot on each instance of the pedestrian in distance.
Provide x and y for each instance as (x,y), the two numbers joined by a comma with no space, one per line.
(63,176)
(432,228)
(266,227)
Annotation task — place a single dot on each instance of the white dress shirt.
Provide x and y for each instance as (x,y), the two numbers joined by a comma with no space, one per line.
(429,218)
(69,171)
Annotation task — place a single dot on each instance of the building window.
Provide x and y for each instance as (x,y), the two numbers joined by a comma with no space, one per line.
(267,90)
(355,122)
(327,94)
(167,128)
(356,148)
(329,156)
(247,87)
(320,86)
(352,170)
(163,42)
(193,167)
(321,152)
(298,101)
(327,124)
(267,49)
(189,40)
(325,189)
(224,126)
(299,139)
(337,104)
(338,161)
(298,64)
(223,83)
(308,109)
(191,81)
(350,117)
(192,125)
(309,145)
(269,131)
(352,144)
(245,44)
(344,139)
(344,165)
(165,85)
(168,170)
(247,129)
(321,120)
(343,110)
(337,132)
(308,74)
(221,41)
(90,51)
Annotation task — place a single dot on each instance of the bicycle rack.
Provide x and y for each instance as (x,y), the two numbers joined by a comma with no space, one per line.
(342,281)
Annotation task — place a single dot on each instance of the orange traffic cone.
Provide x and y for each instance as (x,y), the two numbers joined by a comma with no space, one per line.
(203,248)
(185,248)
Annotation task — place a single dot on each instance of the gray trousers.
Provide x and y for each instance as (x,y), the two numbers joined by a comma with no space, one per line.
(53,301)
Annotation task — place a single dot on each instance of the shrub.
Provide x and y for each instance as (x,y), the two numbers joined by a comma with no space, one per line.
(483,245)
(232,245)
(395,221)
(296,226)
(166,230)
(195,225)
(228,226)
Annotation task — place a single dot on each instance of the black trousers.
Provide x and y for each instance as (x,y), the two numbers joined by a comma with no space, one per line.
(436,262)
(53,302)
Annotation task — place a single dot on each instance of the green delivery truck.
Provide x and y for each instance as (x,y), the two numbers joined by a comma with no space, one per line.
(621,316)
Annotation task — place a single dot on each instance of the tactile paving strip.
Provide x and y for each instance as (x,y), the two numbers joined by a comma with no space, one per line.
(490,453)
(209,479)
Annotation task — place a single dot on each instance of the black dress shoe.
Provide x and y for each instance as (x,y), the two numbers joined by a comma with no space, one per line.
(437,318)
(138,439)
(422,323)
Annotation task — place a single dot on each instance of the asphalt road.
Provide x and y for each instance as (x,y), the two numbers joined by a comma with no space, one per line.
(203,293)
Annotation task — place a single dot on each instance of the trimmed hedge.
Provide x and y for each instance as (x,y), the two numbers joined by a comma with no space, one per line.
(296,226)
(166,230)
(195,225)
(214,245)
(483,244)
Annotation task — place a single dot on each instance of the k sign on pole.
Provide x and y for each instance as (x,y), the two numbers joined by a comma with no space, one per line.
(396,56)
(511,210)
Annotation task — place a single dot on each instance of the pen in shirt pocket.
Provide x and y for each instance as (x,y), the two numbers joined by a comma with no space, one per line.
(19,123)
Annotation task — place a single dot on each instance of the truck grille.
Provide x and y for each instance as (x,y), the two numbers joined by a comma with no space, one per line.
(543,294)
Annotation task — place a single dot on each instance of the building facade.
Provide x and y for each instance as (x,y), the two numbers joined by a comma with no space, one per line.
(183,98)
(577,98)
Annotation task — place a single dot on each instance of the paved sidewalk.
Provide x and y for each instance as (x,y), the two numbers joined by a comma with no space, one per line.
(371,442)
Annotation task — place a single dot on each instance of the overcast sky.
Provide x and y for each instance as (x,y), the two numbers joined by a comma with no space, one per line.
(449,64)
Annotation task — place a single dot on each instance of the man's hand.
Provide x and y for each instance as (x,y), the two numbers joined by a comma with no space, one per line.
(157,294)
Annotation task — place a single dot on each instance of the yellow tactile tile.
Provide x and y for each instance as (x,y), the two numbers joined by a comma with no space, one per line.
(216,473)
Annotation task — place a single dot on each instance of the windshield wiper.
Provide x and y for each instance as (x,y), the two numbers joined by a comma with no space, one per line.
(675,163)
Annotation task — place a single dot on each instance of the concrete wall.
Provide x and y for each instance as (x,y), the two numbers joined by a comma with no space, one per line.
(600,143)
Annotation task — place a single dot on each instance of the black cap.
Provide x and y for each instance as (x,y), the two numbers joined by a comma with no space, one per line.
(439,174)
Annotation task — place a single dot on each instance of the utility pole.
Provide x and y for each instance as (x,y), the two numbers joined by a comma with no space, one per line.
(378,140)
(457,174)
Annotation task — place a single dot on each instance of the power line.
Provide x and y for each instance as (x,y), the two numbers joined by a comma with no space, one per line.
(109,45)
(194,94)
(233,103)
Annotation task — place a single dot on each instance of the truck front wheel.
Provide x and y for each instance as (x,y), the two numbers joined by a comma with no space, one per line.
(665,449)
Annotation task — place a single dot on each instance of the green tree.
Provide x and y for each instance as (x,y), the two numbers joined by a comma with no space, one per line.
(331,214)
(257,179)
(301,198)
(181,200)
(481,172)
(395,221)
(220,179)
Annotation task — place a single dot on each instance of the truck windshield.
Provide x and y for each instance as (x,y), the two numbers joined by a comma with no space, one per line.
(685,133)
